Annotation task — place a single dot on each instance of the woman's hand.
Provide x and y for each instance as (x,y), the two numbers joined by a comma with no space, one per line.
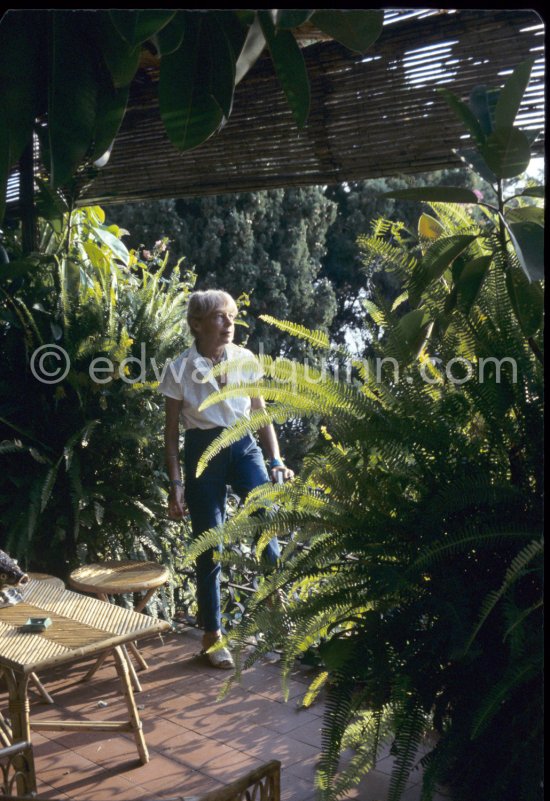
(176,504)
(281,473)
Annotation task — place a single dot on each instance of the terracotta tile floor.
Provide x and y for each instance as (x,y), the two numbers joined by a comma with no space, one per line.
(196,742)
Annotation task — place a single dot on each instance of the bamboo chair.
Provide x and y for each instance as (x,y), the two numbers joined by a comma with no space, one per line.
(16,762)
(261,784)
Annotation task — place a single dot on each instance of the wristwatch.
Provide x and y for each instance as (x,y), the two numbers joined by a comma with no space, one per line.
(176,482)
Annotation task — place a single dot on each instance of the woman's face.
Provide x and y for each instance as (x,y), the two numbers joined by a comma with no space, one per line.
(217,328)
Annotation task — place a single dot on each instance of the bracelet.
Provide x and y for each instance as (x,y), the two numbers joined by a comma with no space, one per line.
(275,463)
(176,482)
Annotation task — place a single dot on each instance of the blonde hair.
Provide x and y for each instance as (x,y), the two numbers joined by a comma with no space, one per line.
(202,302)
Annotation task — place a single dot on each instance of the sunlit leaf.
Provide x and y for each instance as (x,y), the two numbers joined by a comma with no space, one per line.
(524,214)
(252,49)
(429,227)
(289,66)
(117,247)
(356,30)
(413,329)
(533,191)
(439,258)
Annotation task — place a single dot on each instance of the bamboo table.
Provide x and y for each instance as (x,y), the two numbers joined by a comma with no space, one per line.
(81,627)
(120,578)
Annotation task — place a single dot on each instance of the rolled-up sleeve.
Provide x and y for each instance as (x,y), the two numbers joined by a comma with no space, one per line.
(169,384)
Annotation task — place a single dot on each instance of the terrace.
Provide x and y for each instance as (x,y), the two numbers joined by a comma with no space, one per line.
(196,742)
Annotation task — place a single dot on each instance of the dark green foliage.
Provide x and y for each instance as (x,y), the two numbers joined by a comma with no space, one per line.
(266,244)
(415,557)
(83,472)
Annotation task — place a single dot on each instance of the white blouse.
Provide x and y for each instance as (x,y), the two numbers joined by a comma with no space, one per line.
(188,379)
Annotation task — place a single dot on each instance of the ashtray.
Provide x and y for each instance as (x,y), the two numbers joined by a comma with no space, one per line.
(37,624)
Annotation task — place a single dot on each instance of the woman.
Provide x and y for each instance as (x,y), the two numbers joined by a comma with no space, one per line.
(186,384)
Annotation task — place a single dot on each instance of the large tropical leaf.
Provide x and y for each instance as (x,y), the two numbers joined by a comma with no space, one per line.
(475,161)
(511,95)
(72,96)
(412,330)
(289,66)
(23,98)
(483,102)
(222,56)
(169,38)
(528,240)
(292,17)
(465,113)
(507,152)
(233,28)
(470,281)
(533,191)
(434,263)
(122,59)
(111,107)
(137,25)
(189,111)
(356,30)
(525,214)
(527,301)
(252,49)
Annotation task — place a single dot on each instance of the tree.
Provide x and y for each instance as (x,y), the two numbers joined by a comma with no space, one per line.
(359,204)
(267,245)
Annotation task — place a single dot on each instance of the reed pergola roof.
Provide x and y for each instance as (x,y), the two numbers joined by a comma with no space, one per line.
(371,116)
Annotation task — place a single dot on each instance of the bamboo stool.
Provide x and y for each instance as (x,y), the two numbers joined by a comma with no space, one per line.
(119,578)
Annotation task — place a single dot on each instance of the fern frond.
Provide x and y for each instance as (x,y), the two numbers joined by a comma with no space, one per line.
(315,688)
(338,712)
(319,339)
(513,573)
(464,540)
(411,725)
(492,703)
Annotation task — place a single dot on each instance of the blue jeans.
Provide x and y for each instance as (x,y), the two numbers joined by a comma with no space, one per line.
(242,466)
